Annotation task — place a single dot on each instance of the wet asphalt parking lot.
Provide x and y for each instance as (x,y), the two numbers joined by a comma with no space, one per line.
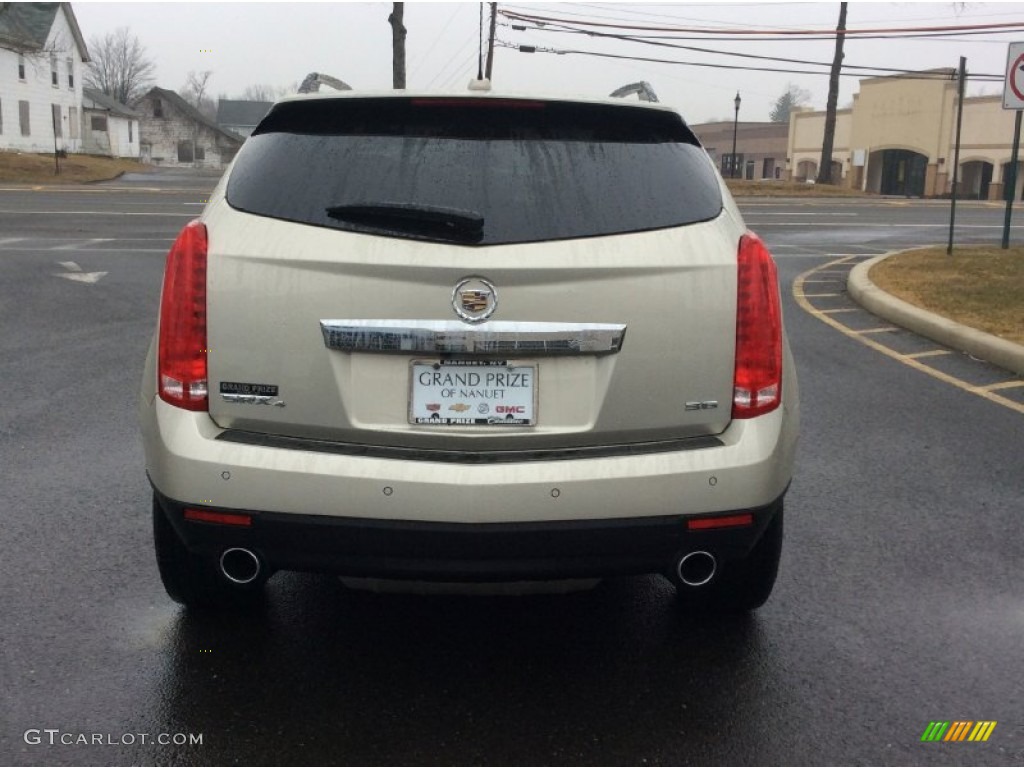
(900,599)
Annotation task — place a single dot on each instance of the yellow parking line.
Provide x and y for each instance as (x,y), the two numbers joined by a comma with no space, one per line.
(887,329)
(929,353)
(841,309)
(1001,385)
(801,299)
(820,295)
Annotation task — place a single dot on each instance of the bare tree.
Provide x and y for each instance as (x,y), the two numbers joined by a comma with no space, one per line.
(794,96)
(119,66)
(259,92)
(825,166)
(266,92)
(398,33)
(194,91)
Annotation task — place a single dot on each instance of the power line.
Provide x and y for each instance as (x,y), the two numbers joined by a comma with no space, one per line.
(453,78)
(444,69)
(753,33)
(724,38)
(906,75)
(437,39)
(599,11)
(712,51)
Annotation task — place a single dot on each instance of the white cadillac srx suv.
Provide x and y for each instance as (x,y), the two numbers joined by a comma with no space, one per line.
(475,338)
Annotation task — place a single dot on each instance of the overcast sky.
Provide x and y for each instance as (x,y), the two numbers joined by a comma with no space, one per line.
(279,43)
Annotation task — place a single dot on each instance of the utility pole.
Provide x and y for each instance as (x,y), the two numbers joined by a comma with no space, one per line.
(490,42)
(825,166)
(398,32)
(956,152)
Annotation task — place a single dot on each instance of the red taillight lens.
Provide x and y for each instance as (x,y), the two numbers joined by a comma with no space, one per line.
(757,383)
(181,367)
(711,523)
(219,518)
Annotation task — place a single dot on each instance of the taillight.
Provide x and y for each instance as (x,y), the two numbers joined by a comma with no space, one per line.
(181,365)
(757,383)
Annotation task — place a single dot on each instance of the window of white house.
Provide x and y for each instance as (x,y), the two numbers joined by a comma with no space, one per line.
(58,129)
(21,67)
(130,139)
(53,70)
(23,118)
(71,74)
(98,123)
(200,153)
(1,116)
(158,108)
(73,122)
(185,151)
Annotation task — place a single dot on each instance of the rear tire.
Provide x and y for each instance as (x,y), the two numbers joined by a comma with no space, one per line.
(192,580)
(742,585)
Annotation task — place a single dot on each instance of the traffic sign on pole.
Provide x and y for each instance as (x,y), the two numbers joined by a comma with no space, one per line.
(1013,88)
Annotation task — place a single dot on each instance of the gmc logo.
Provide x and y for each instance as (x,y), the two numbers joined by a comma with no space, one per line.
(510,409)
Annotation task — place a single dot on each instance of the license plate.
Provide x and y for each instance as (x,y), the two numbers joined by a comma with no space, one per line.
(472,392)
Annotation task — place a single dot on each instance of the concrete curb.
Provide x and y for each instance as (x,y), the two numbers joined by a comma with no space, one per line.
(976,343)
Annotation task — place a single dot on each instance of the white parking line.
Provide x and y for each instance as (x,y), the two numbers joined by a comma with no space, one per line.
(90,213)
(83,250)
(77,245)
(880,225)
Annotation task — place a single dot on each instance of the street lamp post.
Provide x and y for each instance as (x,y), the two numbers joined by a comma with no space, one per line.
(735,124)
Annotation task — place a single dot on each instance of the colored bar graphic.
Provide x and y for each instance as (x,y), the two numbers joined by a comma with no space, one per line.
(935,730)
(958,730)
(982,730)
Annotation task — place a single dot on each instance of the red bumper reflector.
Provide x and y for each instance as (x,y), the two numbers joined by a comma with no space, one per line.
(730,521)
(221,518)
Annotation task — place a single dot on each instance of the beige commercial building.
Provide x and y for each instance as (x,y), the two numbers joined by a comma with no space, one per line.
(760,148)
(898,139)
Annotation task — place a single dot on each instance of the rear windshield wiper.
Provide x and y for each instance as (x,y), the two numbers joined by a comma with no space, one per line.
(420,221)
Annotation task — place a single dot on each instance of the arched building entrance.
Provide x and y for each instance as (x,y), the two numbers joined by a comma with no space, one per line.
(898,172)
(1006,178)
(976,177)
(806,170)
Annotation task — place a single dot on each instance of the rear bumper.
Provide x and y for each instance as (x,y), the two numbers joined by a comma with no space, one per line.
(467,551)
(748,467)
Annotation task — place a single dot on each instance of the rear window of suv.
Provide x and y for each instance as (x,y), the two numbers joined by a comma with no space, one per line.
(475,171)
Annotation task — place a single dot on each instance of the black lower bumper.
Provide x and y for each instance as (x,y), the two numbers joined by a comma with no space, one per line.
(467,551)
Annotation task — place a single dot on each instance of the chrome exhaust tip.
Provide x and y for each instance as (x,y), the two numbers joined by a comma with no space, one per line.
(696,568)
(240,566)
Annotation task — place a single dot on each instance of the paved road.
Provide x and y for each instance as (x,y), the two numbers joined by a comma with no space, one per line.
(900,601)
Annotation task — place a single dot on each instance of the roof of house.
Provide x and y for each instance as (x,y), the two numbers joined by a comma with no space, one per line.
(183,106)
(105,102)
(236,112)
(25,26)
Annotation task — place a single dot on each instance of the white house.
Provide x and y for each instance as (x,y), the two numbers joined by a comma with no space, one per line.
(176,133)
(42,61)
(108,127)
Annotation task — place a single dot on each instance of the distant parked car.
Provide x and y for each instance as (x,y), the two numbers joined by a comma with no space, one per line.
(470,338)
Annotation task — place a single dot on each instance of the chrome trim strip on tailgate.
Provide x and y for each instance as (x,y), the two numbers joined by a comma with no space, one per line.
(453,337)
(468,456)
